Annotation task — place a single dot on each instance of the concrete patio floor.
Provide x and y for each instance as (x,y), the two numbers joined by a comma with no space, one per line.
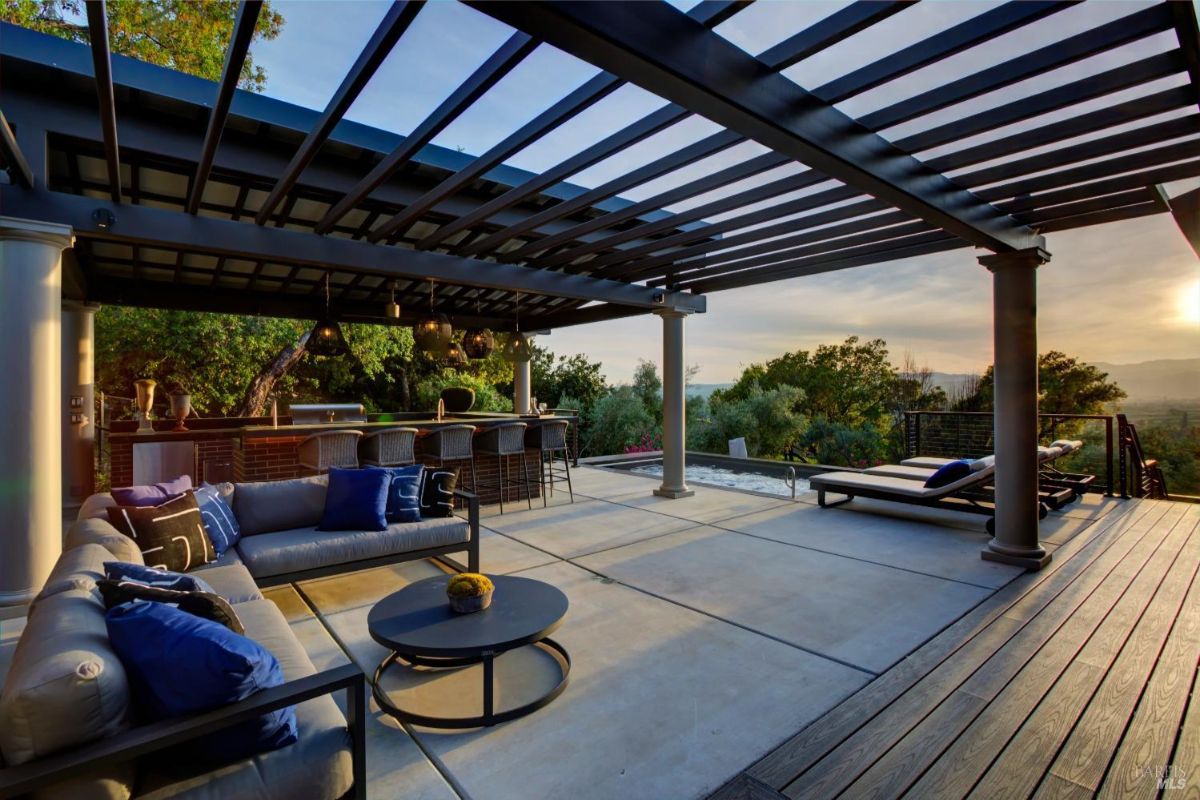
(703,632)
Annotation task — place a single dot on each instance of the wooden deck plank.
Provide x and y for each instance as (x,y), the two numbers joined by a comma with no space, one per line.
(1056,788)
(1084,758)
(1187,752)
(797,754)
(1014,680)
(846,762)
(1146,748)
(1137,627)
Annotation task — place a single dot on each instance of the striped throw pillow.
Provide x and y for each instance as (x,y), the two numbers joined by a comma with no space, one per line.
(170,536)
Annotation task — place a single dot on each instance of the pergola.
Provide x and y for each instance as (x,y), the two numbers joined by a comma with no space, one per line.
(185,194)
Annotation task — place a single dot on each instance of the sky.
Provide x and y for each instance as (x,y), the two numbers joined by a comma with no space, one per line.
(1120,293)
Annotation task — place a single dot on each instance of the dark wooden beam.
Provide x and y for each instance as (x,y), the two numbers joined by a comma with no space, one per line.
(156,227)
(499,64)
(231,73)
(1186,210)
(97,17)
(395,23)
(14,160)
(663,51)
(1187,30)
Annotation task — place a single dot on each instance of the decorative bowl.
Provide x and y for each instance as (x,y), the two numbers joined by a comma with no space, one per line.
(471,604)
(469,592)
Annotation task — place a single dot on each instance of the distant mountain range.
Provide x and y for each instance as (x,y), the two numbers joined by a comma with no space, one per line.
(1163,379)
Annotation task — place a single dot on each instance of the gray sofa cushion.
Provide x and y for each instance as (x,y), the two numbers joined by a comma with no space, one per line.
(307,548)
(99,531)
(65,687)
(232,581)
(279,505)
(77,568)
(94,506)
(317,766)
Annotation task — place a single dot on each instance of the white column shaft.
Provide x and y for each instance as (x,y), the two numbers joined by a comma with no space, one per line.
(674,482)
(30,425)
(522,389)
(1015,398)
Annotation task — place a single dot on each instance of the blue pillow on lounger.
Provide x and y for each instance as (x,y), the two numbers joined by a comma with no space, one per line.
(948,474)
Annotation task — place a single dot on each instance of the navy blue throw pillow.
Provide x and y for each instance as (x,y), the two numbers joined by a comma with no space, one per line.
(948,474)
(219,522)
(179,664)
(404,493)
(356,500)
(128,572)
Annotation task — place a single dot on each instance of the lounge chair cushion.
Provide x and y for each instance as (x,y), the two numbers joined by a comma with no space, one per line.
(948,473)
(847,482)
(279,505)
(1067,445)
(307,548)
(926,462)
(318,765)
(93,530)
(901,471)
(980,464)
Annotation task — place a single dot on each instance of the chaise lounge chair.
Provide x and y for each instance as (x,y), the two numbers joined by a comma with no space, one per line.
(971,493)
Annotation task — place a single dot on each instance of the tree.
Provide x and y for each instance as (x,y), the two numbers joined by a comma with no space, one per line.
(764,417)
(618,420)
(183,35)
(1065,386)
(648,388)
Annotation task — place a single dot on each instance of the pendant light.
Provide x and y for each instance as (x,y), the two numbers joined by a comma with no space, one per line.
(478,343)
(454,358)
(326,337)
(392,309)
(519,347)
(433,333)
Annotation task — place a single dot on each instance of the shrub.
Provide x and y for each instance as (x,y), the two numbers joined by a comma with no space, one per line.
(617,420)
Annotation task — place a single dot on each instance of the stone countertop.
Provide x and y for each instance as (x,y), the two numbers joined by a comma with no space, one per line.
(471,418)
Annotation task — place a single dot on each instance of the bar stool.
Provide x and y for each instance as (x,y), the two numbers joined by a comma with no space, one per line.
(452,443)
(388,448)
(503,440)
(326,449)
(548,438)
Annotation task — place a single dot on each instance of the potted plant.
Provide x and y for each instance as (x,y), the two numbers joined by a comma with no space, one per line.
(469,592)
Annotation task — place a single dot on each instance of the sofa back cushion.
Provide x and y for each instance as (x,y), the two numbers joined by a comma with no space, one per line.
(88,530)
(280,505)
(78,568)
(66,686)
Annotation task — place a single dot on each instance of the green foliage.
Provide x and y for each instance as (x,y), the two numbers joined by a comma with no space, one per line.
(828,442)
(575,378)
(1177,450)
(184,35)
(764,417)
(618,420)
(487,398)
(648,387)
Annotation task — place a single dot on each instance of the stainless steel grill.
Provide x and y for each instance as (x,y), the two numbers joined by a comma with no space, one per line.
(316,413)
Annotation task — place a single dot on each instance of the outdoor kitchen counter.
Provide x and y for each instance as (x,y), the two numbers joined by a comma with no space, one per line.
(479,420)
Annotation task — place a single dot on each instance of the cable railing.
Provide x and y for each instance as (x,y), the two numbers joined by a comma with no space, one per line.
(970,434)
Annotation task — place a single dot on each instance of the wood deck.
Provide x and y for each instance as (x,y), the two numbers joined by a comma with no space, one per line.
(1068,683)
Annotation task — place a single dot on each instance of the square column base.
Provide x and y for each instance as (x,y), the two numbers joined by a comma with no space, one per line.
(1030,563)
(673,494)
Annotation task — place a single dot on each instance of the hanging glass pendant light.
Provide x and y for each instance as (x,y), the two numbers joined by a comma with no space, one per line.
(392,309)
(433,333)
(454,358)
(326,337)
(478,343)
(519,347)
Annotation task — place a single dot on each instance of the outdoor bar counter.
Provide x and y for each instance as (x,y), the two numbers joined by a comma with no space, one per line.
(252,449)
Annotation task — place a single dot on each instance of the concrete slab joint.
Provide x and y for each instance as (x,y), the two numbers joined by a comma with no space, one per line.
(1015,421)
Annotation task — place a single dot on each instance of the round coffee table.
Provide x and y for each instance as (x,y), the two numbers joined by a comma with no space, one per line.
(418,628)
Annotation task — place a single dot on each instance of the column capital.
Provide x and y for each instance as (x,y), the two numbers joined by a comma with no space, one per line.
(1028,257)
(32,230)
(672,313)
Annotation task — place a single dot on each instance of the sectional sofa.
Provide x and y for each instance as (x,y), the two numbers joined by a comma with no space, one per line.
(69,728)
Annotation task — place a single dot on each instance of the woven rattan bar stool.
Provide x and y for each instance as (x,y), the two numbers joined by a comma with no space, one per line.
(388,448)
(452,444)
(326,449)
(549,438)
(504,440)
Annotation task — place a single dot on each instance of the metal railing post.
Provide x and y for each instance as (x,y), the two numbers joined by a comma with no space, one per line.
(1108,456)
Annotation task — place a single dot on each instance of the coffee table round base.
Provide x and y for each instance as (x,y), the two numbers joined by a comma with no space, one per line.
(489,717)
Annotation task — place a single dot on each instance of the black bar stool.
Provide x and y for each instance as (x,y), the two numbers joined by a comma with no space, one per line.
(548,438)
(452,443)
(503,440)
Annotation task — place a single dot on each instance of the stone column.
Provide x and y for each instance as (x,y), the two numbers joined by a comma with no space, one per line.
(674,483)
(1015,391)
(30,405)
(522,389)
(78,402)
